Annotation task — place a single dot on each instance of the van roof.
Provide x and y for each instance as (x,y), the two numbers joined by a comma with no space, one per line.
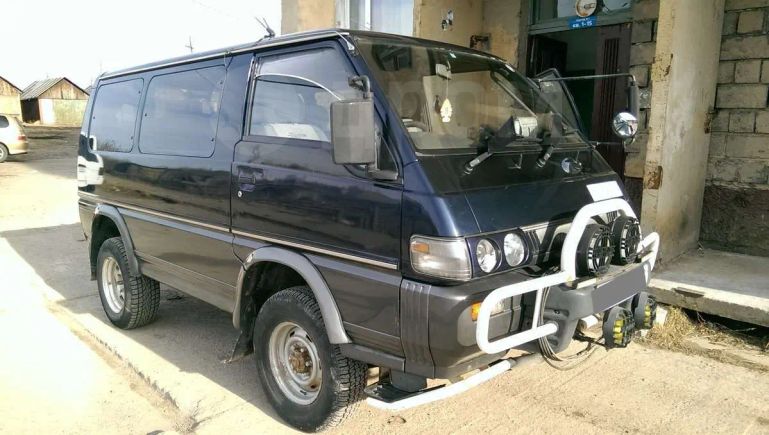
(290,38)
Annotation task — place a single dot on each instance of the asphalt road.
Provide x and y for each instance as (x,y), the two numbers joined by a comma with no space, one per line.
(179,357)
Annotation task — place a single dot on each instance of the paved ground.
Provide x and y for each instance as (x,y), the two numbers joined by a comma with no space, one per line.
(178,358)
(54,377)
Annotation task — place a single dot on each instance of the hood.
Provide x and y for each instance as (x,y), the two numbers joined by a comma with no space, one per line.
(509,190)
(513,206)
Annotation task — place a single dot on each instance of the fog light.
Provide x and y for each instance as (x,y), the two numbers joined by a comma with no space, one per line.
(595,251)
(626,236)
(644,310)
(618,327)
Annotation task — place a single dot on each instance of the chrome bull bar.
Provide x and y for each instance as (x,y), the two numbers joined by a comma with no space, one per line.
(567,273)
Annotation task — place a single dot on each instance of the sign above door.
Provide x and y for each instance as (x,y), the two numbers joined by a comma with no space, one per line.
(579,23)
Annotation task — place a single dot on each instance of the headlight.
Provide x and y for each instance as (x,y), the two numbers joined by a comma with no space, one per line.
(486,254)
(444,258)
(515,249)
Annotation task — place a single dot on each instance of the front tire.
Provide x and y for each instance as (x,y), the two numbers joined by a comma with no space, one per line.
(307,380)
(129,301)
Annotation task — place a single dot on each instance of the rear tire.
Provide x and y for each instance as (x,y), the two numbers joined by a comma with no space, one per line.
(307,380)
(3,153)
(129,301)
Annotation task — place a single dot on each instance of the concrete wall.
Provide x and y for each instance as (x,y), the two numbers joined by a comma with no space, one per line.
(468,20)
(684,74)
(301,15)
(503,21)
(736,213)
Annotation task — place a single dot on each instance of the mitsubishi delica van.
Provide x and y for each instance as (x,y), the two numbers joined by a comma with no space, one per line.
(361,200)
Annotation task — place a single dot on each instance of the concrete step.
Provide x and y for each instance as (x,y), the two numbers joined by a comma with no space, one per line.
(729,285)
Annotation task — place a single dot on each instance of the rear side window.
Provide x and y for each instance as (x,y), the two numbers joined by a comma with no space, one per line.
(113,117)
(289,99)
(3,122)
(181,112)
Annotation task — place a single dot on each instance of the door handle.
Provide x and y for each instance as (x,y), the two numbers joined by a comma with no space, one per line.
(249,175)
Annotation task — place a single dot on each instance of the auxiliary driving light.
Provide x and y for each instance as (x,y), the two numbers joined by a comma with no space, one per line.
(626,236)
(644,310)
(618,327)
(595,250)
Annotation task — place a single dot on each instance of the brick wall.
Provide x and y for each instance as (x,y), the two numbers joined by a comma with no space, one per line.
(735,214)
(643,39)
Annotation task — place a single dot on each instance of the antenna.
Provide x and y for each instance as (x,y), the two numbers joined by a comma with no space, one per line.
(189,45)
(263,22)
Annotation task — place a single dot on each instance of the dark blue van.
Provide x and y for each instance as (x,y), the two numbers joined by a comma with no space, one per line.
(361,200)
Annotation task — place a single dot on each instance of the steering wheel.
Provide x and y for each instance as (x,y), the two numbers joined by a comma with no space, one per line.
(411,123)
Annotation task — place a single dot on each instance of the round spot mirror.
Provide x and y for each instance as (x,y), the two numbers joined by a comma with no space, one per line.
(625,125)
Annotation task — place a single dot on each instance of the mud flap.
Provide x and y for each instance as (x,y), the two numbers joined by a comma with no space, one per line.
(243,347)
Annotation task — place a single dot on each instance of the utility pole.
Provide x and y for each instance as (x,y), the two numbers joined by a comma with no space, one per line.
(189,45)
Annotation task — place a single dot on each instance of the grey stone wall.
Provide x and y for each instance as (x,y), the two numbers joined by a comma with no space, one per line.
(735,216)
(644,44)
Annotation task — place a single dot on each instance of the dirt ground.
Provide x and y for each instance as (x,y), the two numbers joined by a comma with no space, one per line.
(184,386)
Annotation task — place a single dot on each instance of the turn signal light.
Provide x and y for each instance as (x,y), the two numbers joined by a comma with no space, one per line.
(475,309)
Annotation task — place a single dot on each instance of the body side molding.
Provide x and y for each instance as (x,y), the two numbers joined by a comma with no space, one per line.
(303,266)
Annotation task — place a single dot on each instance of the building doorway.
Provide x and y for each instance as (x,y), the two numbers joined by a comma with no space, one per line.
(588,51)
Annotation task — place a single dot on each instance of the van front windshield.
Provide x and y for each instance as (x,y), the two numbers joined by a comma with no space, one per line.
(452,100)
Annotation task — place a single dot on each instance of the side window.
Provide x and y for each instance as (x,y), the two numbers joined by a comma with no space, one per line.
(113,117)
(289,99)
(4,122)
(181,112)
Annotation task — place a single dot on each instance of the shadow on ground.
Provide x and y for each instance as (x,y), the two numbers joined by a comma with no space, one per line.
(188,333)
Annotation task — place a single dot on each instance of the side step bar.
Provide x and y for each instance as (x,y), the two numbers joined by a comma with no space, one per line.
(389,398)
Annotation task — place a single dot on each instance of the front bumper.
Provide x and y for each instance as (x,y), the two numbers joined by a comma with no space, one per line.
(567,276)
(569,299)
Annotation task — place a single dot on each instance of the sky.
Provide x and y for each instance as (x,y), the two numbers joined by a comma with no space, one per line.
(79,39)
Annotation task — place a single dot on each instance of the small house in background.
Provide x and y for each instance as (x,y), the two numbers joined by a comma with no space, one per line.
(10,101)
(57,101)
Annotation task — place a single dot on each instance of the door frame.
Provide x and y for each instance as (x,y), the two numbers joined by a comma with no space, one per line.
(561,24)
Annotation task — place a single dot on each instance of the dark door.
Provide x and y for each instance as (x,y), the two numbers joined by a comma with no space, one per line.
(287,190)
(546,53)
(612,56)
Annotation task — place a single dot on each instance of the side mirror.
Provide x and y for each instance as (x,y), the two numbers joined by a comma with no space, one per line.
(353,132)
(625,125)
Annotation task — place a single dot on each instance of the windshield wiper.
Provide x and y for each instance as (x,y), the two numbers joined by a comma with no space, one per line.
(469,166)
(556,130)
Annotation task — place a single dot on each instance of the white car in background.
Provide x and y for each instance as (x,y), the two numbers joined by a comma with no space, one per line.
(13,139)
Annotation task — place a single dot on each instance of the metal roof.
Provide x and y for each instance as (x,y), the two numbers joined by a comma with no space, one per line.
(270,42)
(9,82)
(38,87)
(266,42)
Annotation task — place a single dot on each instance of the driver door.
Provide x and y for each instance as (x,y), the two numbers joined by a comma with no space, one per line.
(287,190)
